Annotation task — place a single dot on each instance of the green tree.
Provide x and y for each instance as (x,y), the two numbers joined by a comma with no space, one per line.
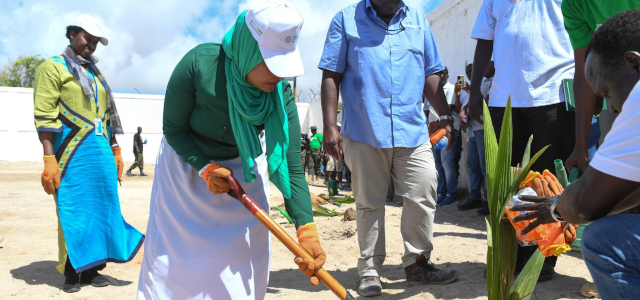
(20,72)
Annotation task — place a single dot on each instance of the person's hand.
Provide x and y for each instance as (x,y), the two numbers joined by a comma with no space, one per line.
(216,177)
(117,155)
(464,121)
(474,109)
(310,242)
(578,158)
(540,210)
(50,177)
(466,87)
(447,125)
(458,88)
(332,141)
(433,126)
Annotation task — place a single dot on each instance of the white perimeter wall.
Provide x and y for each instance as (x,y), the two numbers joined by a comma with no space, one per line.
(19,140)
(451,23)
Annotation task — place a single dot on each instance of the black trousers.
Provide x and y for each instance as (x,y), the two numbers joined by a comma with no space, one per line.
(69,271)
(549,125)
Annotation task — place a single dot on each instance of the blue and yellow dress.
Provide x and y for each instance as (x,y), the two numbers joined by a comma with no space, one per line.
(91,229)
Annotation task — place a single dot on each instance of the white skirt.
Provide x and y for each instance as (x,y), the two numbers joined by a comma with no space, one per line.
(200,245)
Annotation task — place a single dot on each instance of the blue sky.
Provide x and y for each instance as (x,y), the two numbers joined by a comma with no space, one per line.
(147,38)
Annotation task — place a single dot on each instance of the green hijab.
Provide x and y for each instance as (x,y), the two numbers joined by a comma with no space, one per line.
(250,107)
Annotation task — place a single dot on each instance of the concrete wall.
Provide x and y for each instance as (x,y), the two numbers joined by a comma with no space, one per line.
(451,23)
(20,140)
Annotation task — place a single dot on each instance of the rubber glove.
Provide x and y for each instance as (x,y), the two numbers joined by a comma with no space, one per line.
(309,240)
(51,174)
(571,233)
(119,162)
(216,177)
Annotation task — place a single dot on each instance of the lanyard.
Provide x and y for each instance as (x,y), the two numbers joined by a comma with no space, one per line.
(95,91)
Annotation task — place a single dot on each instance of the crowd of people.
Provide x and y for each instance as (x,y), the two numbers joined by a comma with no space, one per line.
(229,112)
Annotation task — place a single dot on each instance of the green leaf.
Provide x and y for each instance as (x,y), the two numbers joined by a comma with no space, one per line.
(526,169)
(527,153)
(284,213)
(322,211)
(345,200)
(522,289)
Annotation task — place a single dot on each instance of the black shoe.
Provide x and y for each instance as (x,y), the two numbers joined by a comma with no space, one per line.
(470,204)
(484,211)
(71,283)
(71,288)
(547,273)
(424,272)
(370,286)
(93,278)
(128,173)
(143,174)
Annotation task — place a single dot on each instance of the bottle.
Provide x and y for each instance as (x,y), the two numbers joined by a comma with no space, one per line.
(439,139)
(561,172)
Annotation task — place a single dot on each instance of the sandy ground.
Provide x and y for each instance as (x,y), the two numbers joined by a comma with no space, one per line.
(28,254)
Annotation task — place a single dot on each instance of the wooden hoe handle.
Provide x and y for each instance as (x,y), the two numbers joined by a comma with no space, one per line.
(291,244)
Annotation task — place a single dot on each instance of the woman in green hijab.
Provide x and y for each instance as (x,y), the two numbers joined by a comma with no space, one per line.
(201,243)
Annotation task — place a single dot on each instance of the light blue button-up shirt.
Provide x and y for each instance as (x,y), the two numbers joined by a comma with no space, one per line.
(383,73)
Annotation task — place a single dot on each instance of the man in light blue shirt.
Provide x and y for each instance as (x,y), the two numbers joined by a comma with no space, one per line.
(382,55)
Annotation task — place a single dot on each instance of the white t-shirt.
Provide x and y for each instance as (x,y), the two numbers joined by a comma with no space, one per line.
(532,50)
(619,155)
(451,100)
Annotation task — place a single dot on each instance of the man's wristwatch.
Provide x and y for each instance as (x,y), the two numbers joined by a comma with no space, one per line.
(446,117)
(554,214)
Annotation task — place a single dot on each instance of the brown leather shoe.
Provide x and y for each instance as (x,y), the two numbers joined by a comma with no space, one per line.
(424,272)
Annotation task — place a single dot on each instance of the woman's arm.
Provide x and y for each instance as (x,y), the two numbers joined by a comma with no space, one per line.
(46,92)
(299,205)
(178,104)
(46,138)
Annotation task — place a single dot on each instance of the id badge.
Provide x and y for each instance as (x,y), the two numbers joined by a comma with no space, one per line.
(98,126)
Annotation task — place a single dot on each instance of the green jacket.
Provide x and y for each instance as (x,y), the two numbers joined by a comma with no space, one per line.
(197,125)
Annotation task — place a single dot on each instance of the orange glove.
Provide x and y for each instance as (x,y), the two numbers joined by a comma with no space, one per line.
(309,240)
(554,184)
(216,177)
(51,174)
(570,234)
(119,162)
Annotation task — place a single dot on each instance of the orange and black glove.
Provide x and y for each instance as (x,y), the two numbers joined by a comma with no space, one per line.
(51,174)
(216,177)
(310,242)
(117,155)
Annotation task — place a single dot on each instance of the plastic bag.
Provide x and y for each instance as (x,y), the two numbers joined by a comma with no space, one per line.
(549,237)
(533,236)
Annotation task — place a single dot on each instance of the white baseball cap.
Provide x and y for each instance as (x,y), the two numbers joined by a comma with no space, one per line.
(91,25)
(276,27)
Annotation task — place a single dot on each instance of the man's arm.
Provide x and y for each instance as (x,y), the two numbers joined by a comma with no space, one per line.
(585,105)
(595,195)
(481,59)
(329,90)
(435,95)
(135,143)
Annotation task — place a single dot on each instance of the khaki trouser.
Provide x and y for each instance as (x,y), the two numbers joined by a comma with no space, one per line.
(414,176)
(138,163)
